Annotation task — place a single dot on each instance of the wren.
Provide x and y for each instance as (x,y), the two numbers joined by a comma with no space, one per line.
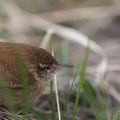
(40,64)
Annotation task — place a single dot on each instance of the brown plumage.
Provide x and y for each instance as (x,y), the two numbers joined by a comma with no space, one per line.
(40,64)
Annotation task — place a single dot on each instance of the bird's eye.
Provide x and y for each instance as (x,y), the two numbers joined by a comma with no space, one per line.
(45,67)
(48,67)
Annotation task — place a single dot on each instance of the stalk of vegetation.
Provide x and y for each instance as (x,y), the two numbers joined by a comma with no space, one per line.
(52,101)
(70,93)
(39,115)
(81,81)
(46,40)
(24,78)
(116,116)
(7,94)
(98,108)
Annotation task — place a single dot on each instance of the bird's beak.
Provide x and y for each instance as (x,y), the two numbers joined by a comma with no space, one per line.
(65,66)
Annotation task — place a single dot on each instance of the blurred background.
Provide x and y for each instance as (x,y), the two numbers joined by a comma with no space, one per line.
(60,21)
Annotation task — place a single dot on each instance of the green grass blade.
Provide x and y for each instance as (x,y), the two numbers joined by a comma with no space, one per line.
(24,77)
(69,93)
(81,81)
(7,95)
(63,56)
(99,110)
(116,116)
(39,116)
(46,40)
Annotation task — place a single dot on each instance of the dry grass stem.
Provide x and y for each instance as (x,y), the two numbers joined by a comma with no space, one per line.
(99,12)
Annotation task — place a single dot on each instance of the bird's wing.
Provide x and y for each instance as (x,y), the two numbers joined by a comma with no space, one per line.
(9,73)
(10,67)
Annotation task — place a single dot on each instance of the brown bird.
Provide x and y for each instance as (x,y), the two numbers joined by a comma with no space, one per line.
(40,64)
